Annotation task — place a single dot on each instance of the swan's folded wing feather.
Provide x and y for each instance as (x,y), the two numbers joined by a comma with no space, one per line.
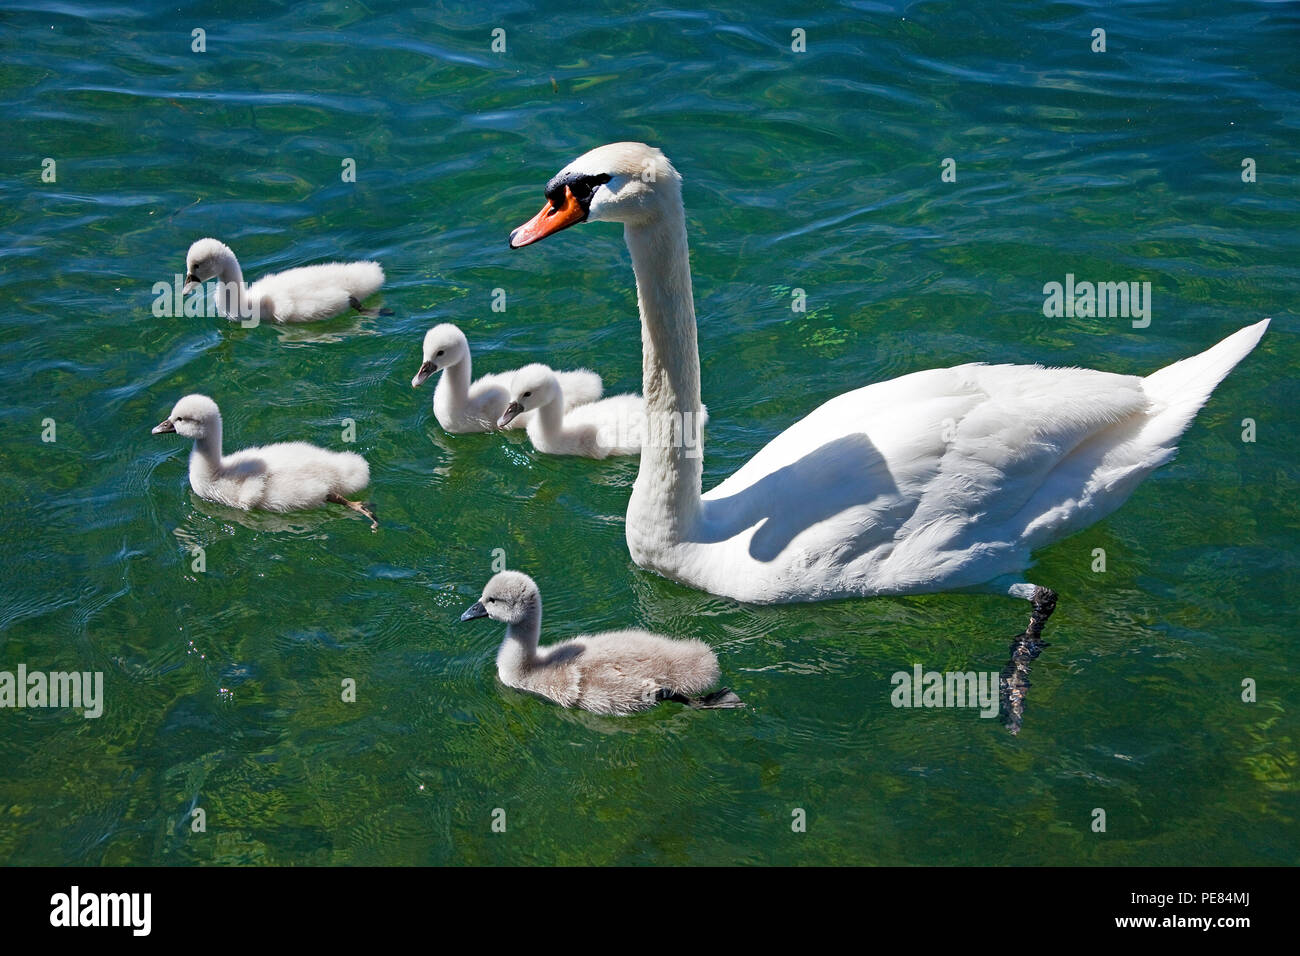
(1014,419)
(901,473)
(1025,421)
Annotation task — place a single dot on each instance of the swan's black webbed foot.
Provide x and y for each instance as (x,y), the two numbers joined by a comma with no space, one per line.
(1025,647)
(362,508)
(356,304)
(723,699)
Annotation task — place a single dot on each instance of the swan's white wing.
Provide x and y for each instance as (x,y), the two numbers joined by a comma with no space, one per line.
(1033,440)
(918,480)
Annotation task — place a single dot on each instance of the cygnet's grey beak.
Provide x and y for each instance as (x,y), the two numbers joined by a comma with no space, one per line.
(192,282)
(164,427)
(475,610)
(427,369)
(510,414)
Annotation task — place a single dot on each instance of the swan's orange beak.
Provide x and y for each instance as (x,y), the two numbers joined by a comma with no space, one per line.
(548,221)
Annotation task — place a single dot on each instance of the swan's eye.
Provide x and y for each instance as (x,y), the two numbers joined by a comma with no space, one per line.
(439,352)
(582,187)
(585,188)
(528,394)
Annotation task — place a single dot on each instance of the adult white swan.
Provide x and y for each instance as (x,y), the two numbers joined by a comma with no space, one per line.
(942,479)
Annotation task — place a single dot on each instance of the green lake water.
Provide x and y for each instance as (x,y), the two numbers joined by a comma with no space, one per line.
(816,170)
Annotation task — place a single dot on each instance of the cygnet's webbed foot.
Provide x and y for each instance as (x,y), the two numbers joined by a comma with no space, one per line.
(356,304)
(363,508)
(1025,647)
(723,699)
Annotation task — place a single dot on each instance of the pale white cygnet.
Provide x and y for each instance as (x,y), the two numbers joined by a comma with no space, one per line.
(461,406)
(611,426)
(304,294)
(291,476)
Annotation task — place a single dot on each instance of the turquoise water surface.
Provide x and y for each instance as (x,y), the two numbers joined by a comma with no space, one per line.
(818,170)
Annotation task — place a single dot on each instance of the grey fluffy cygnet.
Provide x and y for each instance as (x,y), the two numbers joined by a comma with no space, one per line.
(617,672)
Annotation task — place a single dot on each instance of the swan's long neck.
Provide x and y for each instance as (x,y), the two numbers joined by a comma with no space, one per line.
(453,387)
(205,459)
(666,497)
(518,651)
(232,297)
(550,421)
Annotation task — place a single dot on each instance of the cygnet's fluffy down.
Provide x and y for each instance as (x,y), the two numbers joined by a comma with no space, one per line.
(291,476)
(617,672)
(461,406)
(304,294)
(613,426)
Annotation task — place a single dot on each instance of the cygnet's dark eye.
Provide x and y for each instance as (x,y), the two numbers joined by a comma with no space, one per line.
(528,394)
(440,351)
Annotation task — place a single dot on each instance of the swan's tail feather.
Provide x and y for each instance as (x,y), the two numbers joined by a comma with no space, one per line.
(1179,390)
